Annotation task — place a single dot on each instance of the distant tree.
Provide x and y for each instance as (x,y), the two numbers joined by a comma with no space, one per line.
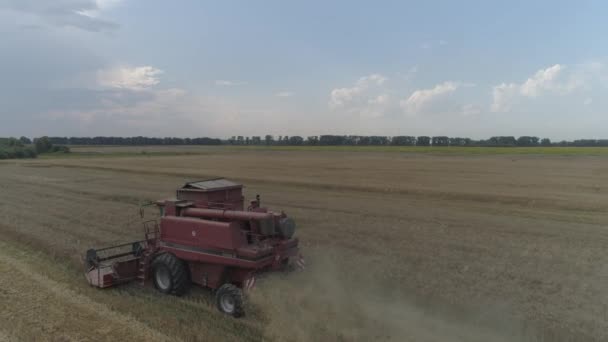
(441,141)
(332,140)
(353,140)
(269,139)
(403,140)
(460,142)
(584,142)
(29,152)
(312,140)
(25,140)
(42,144)
(504,141)
(240,140)
(545,142)
(296,140)
(14,148)
(527,141)
(376,140)
(12,142)
(60,148)
(423,141)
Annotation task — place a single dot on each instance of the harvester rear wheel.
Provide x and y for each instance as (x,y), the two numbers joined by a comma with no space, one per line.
(229,300)
(170,274)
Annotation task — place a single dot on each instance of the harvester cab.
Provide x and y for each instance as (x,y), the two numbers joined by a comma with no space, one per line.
(203,237)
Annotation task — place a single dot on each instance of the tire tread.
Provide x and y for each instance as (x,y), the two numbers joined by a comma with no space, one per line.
(237,293)
(180,280)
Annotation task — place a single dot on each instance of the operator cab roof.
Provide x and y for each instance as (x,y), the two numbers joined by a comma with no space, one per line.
(212,185)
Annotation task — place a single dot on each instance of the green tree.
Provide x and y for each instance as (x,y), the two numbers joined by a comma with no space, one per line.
(527,141)
(296,140)
(441,141)
(42,144)
(312,140)
(423,141)
(269,139)
(403,140)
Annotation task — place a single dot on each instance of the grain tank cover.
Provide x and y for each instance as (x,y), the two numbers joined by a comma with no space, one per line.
(213,193)
(213,185)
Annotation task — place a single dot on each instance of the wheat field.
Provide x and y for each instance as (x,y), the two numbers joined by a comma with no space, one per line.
(400,246)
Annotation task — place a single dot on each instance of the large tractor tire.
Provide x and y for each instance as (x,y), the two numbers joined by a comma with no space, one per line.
(170,274)
(229,300)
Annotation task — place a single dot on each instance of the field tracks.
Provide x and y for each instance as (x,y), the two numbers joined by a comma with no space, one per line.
(427,193)
(44,305)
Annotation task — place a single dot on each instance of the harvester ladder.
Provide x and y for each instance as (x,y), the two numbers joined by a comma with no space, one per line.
(144,266)
(151,232)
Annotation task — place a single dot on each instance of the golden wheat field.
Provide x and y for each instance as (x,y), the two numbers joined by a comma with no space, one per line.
(399,246)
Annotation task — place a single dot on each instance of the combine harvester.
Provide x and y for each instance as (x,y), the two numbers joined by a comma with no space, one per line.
(205,237)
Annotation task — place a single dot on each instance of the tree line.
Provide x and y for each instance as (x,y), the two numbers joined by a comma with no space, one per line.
(24,147)
(359,140)
(135,141)
(59,144)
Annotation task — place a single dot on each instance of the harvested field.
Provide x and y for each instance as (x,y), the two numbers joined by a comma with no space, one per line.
(400,246)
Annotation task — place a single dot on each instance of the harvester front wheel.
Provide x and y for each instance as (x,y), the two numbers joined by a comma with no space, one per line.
(170,274)
(229,300)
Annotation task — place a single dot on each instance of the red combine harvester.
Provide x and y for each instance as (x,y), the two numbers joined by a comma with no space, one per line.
(205,237)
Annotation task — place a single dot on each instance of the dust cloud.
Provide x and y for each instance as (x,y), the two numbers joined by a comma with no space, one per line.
(327,302)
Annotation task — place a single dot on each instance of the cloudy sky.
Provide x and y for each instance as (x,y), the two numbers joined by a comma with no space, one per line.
(223,68)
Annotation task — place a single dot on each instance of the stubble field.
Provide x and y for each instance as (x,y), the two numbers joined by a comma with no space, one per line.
(400,246)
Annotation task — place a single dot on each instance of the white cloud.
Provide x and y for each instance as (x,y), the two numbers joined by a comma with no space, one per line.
(170,112)
(81,14)
(100,6)
(547,80)
(588,101)
(382,99)
(544,79)
(136,78)
(341,97)
(502,96)
(284,94)
(227,83)
(422,97)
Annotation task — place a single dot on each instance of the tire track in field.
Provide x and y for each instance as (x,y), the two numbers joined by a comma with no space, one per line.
(501,199)
(5,338)
(38,307)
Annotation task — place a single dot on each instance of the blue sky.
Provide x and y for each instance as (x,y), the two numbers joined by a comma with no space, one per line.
(202,68)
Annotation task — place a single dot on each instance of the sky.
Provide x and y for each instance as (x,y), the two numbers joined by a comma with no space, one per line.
(222,68)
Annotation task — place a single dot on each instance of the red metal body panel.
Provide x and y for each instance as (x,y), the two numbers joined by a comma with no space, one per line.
(190,254)
(210,275)
(202,234)
(226,214)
